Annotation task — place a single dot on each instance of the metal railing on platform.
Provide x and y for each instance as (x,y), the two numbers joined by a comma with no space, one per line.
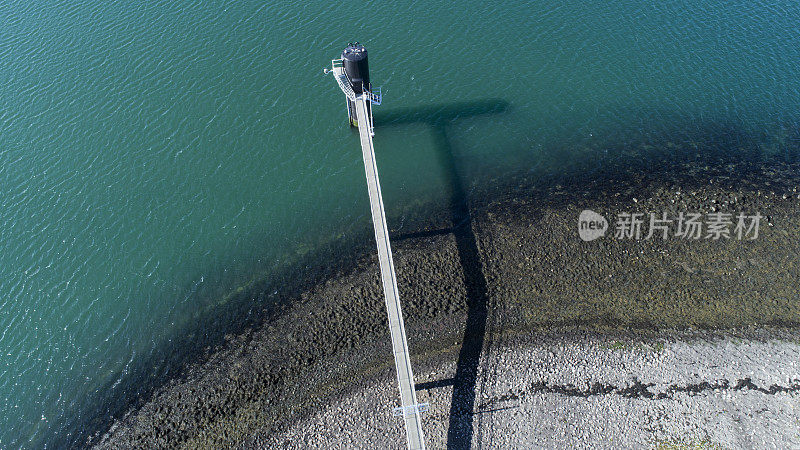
(341,79)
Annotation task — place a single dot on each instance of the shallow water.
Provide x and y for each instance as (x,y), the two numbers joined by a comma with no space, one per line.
(155,158)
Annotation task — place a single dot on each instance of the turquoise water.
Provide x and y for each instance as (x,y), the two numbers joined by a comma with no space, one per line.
(154,158)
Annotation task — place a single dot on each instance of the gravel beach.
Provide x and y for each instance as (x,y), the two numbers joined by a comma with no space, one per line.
(523,335)
(589,391)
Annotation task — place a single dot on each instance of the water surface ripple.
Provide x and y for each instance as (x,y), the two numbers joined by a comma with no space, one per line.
(154,157)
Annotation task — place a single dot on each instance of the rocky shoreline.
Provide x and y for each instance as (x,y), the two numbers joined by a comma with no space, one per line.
(330,342)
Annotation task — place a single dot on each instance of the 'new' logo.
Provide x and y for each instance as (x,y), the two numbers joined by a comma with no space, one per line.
(591,225)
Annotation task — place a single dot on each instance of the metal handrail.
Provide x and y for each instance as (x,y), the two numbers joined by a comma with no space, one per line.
(374,98)
(341,80)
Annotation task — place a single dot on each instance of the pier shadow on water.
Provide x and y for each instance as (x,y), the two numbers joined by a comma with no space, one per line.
(439,119)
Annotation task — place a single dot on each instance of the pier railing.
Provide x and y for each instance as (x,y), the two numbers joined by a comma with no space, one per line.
(341,79)
(375,96)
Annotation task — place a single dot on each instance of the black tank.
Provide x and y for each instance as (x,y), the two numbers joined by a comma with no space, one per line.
(356,67)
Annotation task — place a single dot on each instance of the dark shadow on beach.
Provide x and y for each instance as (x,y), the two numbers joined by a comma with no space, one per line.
(439,119)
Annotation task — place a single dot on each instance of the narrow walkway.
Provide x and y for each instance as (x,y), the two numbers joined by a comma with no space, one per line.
(405,377)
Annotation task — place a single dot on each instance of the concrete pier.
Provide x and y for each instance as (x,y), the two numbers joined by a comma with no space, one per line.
(409,409)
